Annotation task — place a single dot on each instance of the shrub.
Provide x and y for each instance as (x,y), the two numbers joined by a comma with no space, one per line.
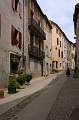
(28,77)
(12,80)
(12,84)
(20,79)
(17,85)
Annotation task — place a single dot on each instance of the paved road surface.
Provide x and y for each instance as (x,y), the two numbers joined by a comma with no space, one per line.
(58,101)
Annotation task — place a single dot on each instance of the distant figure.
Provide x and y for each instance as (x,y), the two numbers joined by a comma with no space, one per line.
(68,72)
(75,70)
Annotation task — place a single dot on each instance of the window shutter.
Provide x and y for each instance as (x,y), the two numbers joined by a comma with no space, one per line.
(15,36)
(20,40)
(12,35)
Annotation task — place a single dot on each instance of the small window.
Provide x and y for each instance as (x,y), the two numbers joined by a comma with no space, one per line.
(59,53)
(60,43)
(56,64)
(62,54)
(56,30)
(31,39)
(60,34)
(57,41)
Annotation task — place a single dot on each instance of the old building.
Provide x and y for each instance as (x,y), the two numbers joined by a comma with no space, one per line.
(57,47)
(36,36)
(72,56)
(11,32)
(65,53)
(48,46)
(68,54)
(76,29)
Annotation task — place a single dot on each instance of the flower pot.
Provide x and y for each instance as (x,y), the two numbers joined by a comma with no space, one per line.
(11,89)
(1,93)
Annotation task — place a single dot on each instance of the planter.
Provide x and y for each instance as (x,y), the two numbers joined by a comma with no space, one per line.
(11,89)
(1,93)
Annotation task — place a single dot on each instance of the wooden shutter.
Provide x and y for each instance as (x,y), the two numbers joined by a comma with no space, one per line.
(20,40)
(14,33)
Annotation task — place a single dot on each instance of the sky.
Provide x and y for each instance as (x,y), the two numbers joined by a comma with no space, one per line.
(61,12)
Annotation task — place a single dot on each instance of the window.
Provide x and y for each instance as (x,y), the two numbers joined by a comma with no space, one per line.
(16,37)
(56,30)
(20,40)
(60,64)
(14,33)
(57,41)
(62,54)
(15,4)
(14,62)
(60,43)
(60,34)
(59,53)
(31,39)
(56,64)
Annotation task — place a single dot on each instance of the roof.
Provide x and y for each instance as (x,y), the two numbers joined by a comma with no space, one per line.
(62,32)
(45,17)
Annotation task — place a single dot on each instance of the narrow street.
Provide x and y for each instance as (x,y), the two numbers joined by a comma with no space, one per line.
(58,101)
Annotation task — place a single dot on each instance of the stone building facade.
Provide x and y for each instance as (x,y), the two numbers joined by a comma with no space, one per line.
(68,54)
(11,32)
(48,46)
(72,56)
(57,47)
(36,36)
(65,53)
(76,30)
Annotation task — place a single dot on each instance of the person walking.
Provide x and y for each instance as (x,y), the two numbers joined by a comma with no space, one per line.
(68,72)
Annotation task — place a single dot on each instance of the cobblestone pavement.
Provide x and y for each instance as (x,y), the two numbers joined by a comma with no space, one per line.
(66,106)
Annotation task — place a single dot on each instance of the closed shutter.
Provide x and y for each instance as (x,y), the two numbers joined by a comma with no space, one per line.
(20,40)
(14,33)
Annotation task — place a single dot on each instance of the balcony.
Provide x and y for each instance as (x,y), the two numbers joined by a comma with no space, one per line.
(36,53)
(37,29)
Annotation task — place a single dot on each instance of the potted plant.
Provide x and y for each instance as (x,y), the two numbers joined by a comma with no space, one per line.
(28,78)
(12,84)
(20,79)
